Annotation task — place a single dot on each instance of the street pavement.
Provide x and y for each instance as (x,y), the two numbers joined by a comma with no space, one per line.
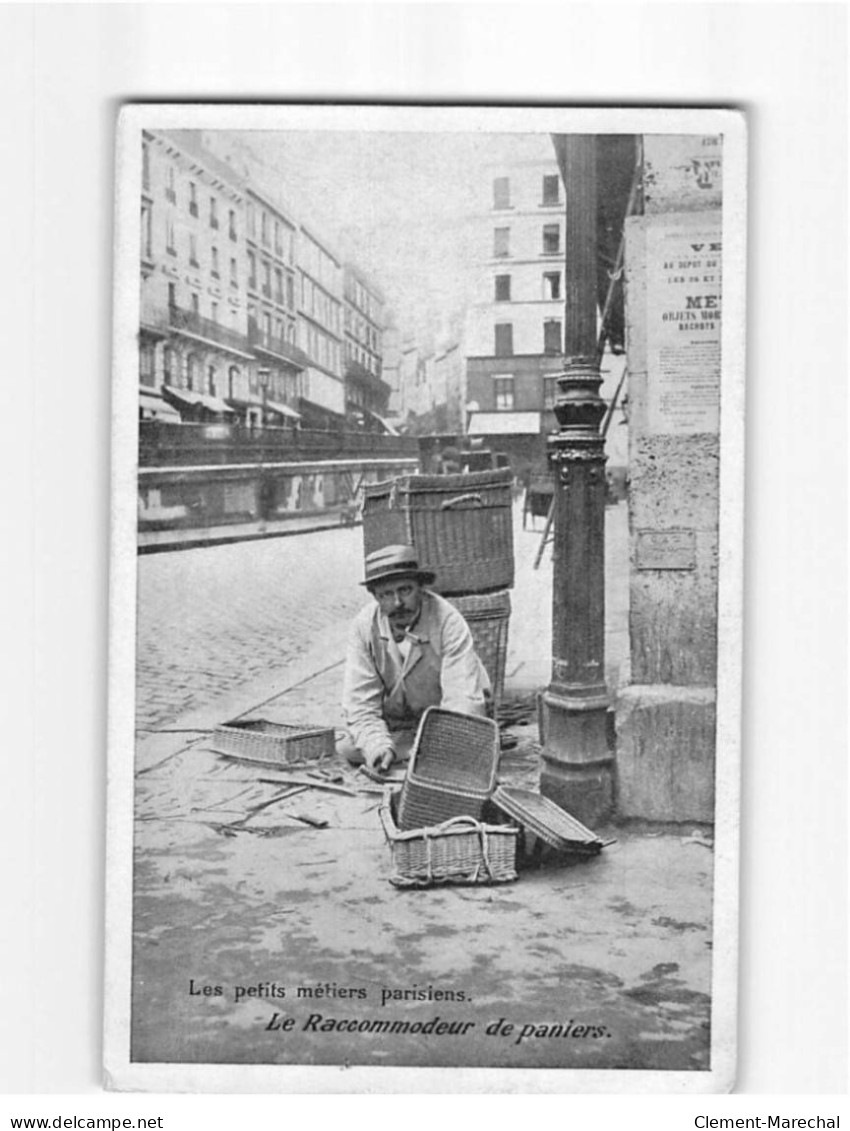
(602,964)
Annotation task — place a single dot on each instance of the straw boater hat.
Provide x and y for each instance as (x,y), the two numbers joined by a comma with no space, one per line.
(394,561)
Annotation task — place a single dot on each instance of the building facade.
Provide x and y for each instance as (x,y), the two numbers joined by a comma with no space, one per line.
(367,395)
(193,344)
(321,385)
(514,331)
(271,242)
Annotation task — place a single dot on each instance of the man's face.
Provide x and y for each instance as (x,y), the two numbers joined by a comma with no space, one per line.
(400,600)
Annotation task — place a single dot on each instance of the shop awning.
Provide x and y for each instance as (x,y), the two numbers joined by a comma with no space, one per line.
(283,409)
(385,424)
(190,397)
(155,408)
(504,424)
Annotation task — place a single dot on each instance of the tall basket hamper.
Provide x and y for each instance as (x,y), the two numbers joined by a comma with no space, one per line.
(488,616)
(461,526)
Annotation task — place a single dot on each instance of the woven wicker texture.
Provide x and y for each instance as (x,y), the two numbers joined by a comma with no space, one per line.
(452,768)
(488,617)
(455,751)
(546,820)
(461,526)
(461,851)
(423,805)
(258,740)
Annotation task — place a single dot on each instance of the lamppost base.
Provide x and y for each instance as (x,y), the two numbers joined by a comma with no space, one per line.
(578,763)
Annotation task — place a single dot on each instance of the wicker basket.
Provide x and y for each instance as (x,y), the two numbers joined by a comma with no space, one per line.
(487,616)
(461,526)
(272,744)
(548,821)
(452,769)
(460,851)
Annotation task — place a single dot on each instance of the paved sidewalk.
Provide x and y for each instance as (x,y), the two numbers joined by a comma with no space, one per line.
(600,964)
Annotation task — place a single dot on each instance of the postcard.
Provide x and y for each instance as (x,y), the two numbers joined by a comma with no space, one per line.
(425,644)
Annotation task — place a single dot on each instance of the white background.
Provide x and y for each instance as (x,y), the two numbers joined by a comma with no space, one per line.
(64,70)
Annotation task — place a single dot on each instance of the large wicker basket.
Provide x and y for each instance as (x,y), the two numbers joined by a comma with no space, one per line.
(488,615)
(460,851)
(272,744)
(461,526)
(452,769)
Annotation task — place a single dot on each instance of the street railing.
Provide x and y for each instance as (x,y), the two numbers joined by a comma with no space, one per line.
(162,444)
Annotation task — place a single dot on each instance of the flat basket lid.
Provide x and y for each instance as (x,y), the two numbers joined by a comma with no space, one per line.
(547,820)
(455,750)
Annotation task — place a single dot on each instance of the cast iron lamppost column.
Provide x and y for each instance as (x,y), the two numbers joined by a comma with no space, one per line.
(577,768)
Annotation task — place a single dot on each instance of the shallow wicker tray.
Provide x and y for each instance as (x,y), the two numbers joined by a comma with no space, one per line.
(460,851)
(548,821)
(272,744)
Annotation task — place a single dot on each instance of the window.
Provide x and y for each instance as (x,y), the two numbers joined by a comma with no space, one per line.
(551,239)
(278,285)
(550,391)
(264,229)
(211,380)
(252,221)
(504,339)
(146,365)
(501,237)
(146,231)
(215,272)
(232,380)
(503,288)
(213,212)
(234,276)
(278,244)
(193,251)
(552,285)
(252,271)
(502,192)
(290,292)
(551,190)
(267,280)
(196,304)
(146,165)
(172,295)
(194,371)
(503,389)
(193,199)
(252,316)
(171,189)
(169,237)
(267,325)
(169,366)
(231,224)
(214,311)
(552,335)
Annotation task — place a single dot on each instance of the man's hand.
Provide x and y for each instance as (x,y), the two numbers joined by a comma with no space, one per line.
(381,760)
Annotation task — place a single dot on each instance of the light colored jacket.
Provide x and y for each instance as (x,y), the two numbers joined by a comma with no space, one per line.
(383,693)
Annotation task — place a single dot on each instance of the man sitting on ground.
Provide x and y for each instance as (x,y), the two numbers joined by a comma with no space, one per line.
(409,650)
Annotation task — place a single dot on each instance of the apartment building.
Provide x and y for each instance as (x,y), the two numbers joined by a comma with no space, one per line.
(193,346)
(367,395)
(271,243)
(321,385)
(514,331)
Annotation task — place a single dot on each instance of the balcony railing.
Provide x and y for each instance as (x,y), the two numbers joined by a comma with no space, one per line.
(271,343)
(192,323)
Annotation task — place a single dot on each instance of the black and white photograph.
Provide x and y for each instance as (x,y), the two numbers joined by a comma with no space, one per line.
(425,634)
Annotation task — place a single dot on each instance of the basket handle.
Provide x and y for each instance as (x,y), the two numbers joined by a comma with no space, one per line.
(449,503)
(463,819)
